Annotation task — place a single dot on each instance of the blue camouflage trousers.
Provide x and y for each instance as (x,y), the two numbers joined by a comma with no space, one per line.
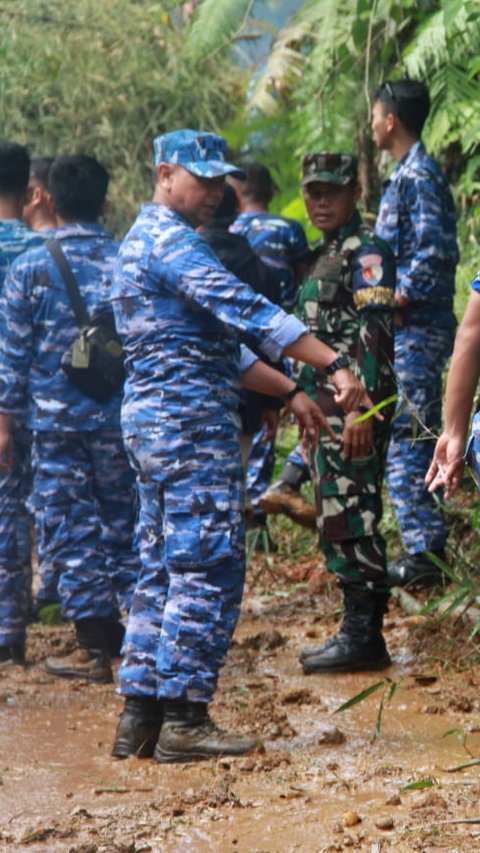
(15,542)
(85,500)
(192,544)
(261,463)
(420,358)
(472,450)
(295,457)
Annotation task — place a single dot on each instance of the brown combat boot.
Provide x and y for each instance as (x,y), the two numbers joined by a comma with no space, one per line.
(89,664)
(188,734)
(283,499)
(91,661)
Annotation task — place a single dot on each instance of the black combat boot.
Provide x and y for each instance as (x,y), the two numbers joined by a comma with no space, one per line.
(283,497)
(138,727)
(91,660)
(114,636)
(418,570)
(359,644)
(12,653)
(188,734)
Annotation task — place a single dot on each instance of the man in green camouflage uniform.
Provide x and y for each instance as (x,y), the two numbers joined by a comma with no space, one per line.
(347,301)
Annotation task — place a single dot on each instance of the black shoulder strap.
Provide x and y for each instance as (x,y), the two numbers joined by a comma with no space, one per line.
(74,294)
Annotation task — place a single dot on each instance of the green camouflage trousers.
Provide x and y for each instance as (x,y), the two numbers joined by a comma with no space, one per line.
(348,496)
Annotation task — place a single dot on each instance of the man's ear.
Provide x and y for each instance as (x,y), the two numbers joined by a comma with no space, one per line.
(391,122)
(165,174)
(49,202)
(104,209)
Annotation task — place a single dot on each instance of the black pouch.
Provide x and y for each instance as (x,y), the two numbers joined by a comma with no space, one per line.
(328,272)
(94,361)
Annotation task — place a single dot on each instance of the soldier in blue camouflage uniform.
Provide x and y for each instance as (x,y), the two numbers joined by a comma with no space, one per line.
(417,220)
(281,244)
(181,316)
(347,300)
(15,544)
(453,449)
(83,486)
(39,214)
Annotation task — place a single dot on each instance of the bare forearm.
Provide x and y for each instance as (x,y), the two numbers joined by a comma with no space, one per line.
(311,351)
(266,380)
(464,371)
(5,422)
(462,382)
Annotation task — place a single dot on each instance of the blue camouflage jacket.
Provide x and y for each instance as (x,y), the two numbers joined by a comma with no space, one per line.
(37,325)
(15,238)
(417,219)
(181,317)
(281,243)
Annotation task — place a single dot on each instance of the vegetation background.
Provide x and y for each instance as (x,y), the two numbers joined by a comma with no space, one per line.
(276,77)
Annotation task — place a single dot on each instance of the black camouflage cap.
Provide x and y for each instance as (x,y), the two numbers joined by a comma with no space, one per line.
(329,168)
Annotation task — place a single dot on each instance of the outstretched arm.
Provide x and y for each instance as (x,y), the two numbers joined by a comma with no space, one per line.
(5,442)
(351,393)
(447,465)
(265,379)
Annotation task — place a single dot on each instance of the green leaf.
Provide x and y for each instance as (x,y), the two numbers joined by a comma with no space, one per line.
(463,766)
(215,23)
(359,33)
(392,689)
(377,408)
(420,785)
(456,733)
(360,696)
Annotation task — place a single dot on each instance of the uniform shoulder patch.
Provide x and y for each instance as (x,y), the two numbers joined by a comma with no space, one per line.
(373,278)
(372,269)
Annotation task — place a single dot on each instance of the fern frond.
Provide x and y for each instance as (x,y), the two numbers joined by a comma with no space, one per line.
(215,23)
(325,22)
(428,49)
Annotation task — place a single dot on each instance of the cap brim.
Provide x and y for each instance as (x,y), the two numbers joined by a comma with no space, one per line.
(326,178)
(214,169)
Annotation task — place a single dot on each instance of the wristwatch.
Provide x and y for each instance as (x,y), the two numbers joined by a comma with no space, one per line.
(341,363)
(291,394)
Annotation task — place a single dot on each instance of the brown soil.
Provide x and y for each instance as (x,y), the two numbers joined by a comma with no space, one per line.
(322,783)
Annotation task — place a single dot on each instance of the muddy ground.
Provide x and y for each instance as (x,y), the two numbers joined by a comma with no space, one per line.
(322,783)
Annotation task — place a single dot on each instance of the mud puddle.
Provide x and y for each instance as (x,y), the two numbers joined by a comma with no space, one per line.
(322,783)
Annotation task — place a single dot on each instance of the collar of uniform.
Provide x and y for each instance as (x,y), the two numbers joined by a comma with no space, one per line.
(156,210)
(408,158)
(347,230)
(14,225)
(79,229)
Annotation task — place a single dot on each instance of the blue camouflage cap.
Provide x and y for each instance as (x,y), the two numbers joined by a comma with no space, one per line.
(202,154)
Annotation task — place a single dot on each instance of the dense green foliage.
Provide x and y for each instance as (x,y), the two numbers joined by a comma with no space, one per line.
(314,92)
(104,78)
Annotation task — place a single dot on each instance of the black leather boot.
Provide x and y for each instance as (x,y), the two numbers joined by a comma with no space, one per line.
(12,653)
(91,660)
(114,636)
(138,727)
(418,570)
(359,644)
(188,734)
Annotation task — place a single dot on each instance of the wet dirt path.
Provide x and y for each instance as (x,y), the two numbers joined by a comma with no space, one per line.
(320,785)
